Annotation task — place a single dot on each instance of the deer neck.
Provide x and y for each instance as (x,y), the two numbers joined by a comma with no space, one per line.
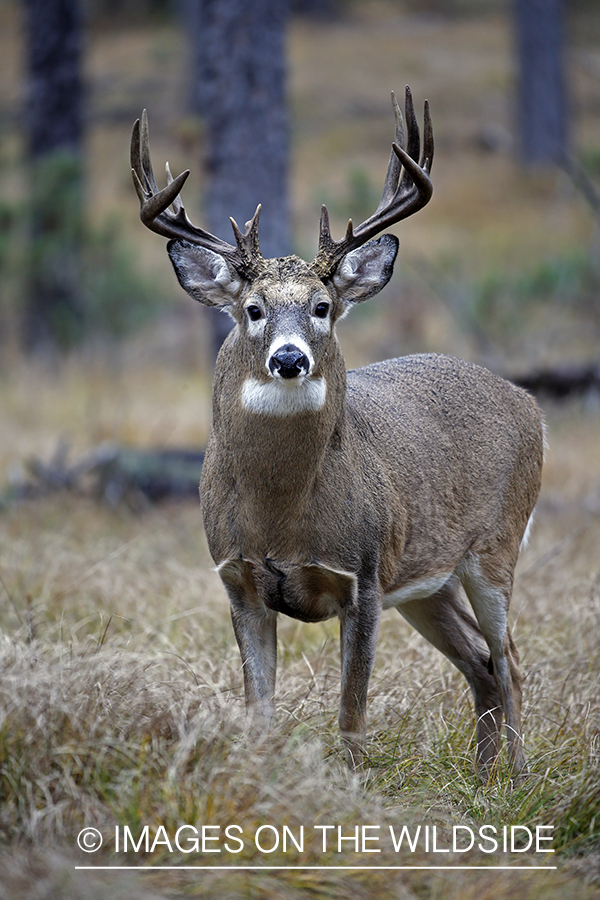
(277,456)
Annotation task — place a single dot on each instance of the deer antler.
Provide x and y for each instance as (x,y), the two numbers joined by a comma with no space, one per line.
(245,257)
(407,189)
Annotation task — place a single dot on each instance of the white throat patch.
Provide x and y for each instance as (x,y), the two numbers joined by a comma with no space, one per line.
(284,397)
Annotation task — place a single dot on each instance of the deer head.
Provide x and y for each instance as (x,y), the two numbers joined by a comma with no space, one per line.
(286,309)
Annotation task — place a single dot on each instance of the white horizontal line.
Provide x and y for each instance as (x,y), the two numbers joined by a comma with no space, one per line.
(312,868)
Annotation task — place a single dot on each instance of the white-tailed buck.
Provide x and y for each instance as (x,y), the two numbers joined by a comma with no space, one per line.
(333,493)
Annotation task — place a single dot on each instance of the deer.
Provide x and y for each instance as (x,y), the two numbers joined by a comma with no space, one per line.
(407,483)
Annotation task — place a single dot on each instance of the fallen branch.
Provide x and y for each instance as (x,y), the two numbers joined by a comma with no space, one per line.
(113,475)
(563,381)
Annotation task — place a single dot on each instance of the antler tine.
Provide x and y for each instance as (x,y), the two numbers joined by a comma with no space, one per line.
(326,242)
(154,204)
(394,166)
(414,138)
(176,204)
(152,201)
(407,188)
(144,151)
(163,212)
(247,243)
(428,145)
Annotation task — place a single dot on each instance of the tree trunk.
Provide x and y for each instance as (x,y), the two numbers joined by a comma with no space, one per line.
(542,105)
(240,76)
(53,314)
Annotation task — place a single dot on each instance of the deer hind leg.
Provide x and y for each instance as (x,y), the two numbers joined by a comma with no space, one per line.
(448,625)
(490,599)
(358,641)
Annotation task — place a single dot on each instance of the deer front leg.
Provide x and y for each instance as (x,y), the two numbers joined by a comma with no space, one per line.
(358,639)
(256,635)
(255,629)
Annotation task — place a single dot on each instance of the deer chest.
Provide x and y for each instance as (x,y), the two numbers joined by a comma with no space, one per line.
(310,593)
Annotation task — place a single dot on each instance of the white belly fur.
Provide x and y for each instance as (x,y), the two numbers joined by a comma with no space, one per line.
(416,590)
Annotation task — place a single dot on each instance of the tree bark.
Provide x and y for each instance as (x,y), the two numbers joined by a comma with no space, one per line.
(542,114)
(243,44)
(239,64)
(54,126)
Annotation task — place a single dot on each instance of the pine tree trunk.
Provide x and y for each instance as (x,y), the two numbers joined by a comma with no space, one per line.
(246,109)
(542,104)
(53,315)
(240,75)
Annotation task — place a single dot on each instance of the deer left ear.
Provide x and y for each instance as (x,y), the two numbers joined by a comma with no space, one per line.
(365,271)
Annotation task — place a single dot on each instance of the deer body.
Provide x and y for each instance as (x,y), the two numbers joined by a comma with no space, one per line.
(398,468)
(332,493)
(419,474)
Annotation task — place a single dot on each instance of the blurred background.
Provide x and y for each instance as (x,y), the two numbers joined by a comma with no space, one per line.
(287,105)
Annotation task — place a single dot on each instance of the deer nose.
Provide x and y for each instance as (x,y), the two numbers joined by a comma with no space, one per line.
(289,362)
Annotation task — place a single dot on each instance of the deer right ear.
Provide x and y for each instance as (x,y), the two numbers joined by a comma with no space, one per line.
(204,274)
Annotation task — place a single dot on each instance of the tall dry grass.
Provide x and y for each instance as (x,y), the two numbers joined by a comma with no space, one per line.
(121,705)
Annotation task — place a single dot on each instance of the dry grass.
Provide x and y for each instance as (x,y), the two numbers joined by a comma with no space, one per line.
(121,701)
(120,682)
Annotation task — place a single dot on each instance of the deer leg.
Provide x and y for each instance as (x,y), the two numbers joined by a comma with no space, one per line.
(256,634)
(358,640)
(255,628)
(490,600)
(445,622)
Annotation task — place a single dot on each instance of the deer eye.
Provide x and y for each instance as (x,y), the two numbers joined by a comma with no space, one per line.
(254,313)
(322,310)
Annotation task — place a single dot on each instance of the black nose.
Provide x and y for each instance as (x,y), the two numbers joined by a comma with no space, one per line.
(289,362)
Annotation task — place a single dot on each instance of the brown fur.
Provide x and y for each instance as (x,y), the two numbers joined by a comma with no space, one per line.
(330,493)
(417,464)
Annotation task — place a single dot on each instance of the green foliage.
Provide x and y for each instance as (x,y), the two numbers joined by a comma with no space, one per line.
(358,200)
(54,308)
(69,280)
(590,160)
(503,303)
(8,217)
(119,298)
(571,280)
(452,8)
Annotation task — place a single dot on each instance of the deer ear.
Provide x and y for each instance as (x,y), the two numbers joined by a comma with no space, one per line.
(365,271)
(204,274)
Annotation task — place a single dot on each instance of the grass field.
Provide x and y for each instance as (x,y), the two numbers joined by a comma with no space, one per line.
(121,700)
